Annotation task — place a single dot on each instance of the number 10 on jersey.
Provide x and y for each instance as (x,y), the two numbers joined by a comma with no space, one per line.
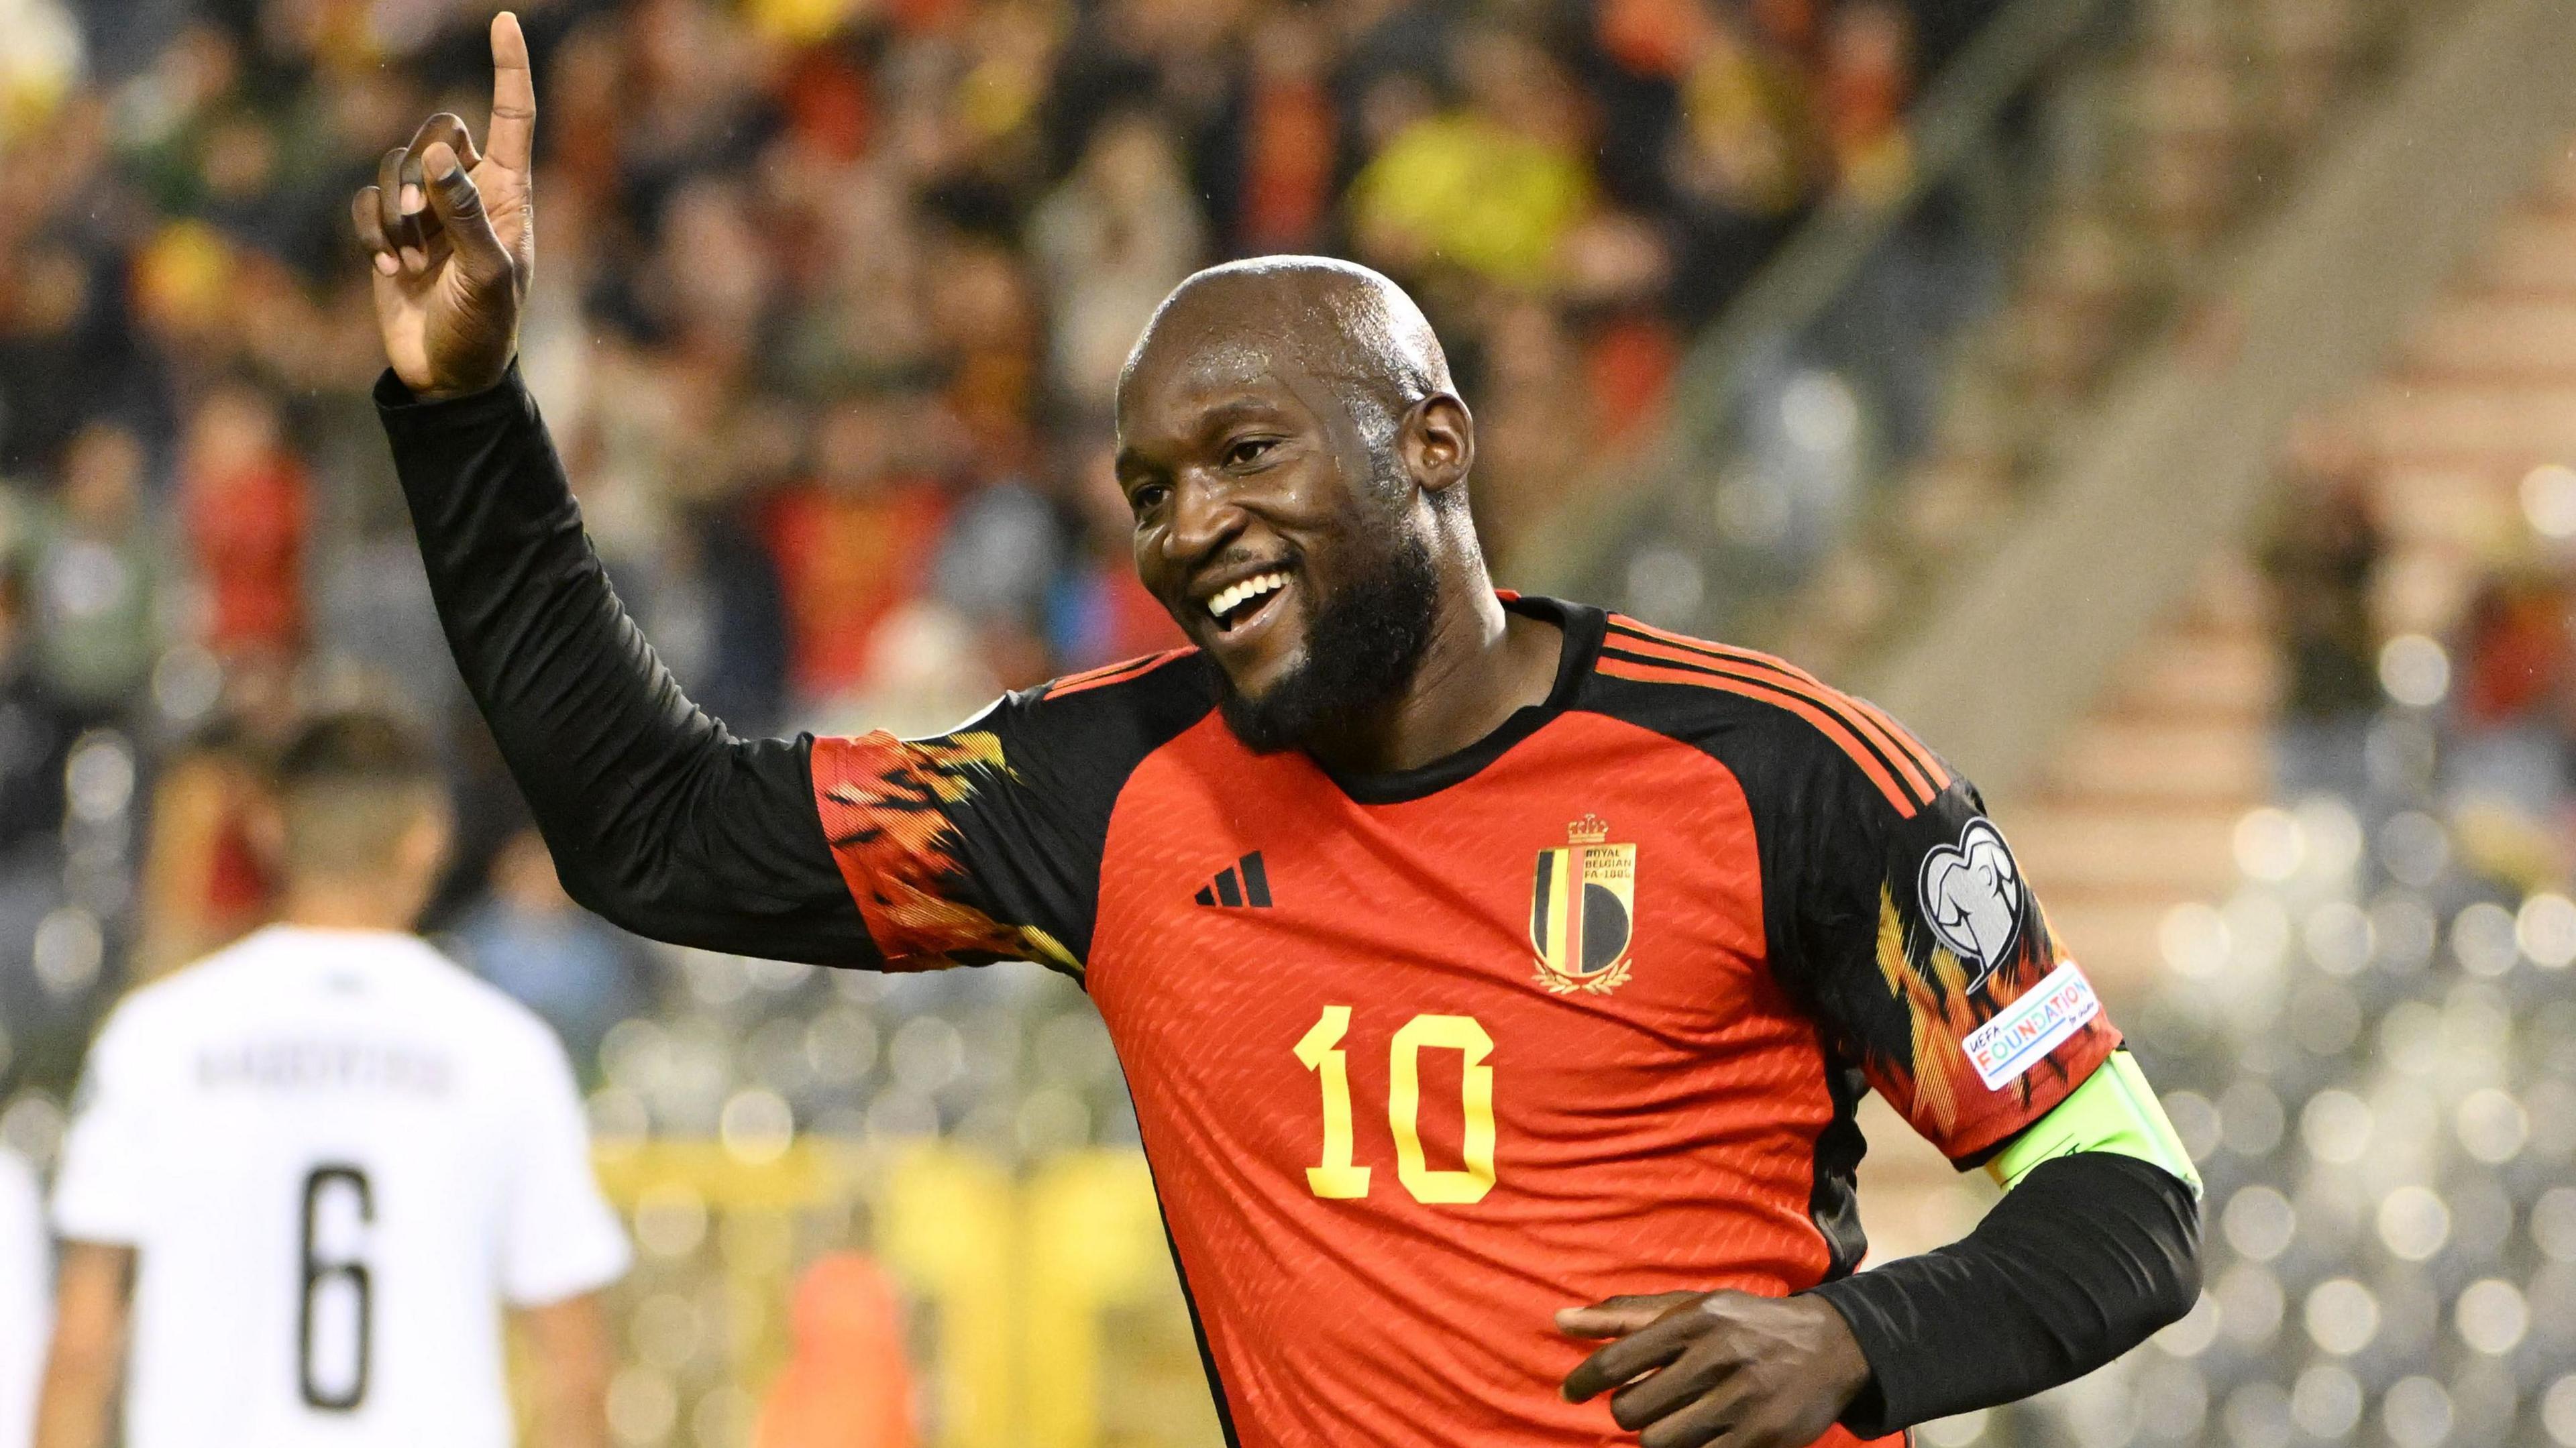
(1339,1177)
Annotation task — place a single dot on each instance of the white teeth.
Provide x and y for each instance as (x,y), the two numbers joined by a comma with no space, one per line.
(1242,593)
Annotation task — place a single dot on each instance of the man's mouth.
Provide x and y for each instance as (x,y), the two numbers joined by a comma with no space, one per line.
(1239,605)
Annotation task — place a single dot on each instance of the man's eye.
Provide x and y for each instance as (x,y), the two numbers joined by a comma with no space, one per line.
(1250,450)
(1147,498)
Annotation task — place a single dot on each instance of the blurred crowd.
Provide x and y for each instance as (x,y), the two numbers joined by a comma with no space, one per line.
(832,295)
(2428,680)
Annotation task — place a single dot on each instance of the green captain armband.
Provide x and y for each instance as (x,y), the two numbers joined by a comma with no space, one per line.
(2114,1110)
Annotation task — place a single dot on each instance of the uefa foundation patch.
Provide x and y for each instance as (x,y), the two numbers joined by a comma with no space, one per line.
(2032,1026)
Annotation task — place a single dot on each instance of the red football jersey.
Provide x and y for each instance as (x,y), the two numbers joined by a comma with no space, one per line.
(1420,1059)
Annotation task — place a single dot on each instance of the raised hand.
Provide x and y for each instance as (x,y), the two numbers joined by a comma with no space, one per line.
(452,235)
(1724,1368)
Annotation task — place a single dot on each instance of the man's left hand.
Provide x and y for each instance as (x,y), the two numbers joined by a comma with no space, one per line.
(1727,1368)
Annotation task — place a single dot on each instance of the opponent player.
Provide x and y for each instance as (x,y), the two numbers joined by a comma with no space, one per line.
(23,1304)
(1471,957)
(314,1167)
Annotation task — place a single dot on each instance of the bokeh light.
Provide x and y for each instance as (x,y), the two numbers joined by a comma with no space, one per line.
(2415,671)
(2548,496)
(2341,1316)
(2414,1223)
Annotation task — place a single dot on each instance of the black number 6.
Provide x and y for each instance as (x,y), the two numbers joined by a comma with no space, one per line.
(319,1275)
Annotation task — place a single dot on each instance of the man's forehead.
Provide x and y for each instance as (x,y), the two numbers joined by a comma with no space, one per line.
(1182,383)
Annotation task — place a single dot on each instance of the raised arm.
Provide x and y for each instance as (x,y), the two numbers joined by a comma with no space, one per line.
(658,818)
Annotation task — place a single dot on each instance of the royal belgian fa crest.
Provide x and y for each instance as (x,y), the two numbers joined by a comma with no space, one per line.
(1583,910)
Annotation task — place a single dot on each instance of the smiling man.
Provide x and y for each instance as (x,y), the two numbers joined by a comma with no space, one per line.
(1497,978)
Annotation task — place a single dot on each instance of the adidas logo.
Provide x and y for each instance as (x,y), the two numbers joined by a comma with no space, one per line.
(1242,883)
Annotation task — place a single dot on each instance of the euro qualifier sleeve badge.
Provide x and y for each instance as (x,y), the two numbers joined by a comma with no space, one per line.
(1971,896)
(1583,909)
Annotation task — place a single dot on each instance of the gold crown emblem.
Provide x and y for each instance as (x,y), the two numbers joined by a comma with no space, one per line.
(1589,830)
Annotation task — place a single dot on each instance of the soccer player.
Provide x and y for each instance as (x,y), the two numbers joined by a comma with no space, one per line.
(315,1167)
(22,1298)
(1496,977)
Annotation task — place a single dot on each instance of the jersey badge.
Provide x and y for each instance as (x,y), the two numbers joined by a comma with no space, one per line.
(1971,895)
(2031,1027)
(1583,910)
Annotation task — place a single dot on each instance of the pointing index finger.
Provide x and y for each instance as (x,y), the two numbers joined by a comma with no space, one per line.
(514,96)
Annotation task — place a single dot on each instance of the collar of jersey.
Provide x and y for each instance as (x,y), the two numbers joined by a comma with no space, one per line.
(1584,627)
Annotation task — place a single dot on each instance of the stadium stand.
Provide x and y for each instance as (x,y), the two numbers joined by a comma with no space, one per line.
(2360,985)
(1885,404)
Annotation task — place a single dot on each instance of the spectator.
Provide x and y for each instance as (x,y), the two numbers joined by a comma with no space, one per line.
(1096,610)
(65,352)
(1748,142)
(1747,154)
(1492,188)
(853,543)
(984,318)
(1868,72)
(373,612)
(713,277)
(2323,566)
(1533,390)
(96,573)
(1004,545)
(846,1383)
(34,740)
(2513,696)
(552,956)
(925,673)
(205,878)
(244,495)
(1117,235)
(718,619)
(1286,140)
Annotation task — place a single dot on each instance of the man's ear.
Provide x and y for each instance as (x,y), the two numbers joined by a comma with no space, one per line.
(422,852)
(1438,443)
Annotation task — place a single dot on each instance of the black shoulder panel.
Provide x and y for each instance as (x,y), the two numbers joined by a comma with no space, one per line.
(1034,841)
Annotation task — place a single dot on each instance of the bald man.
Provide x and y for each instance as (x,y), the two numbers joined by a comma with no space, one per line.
(1496,977)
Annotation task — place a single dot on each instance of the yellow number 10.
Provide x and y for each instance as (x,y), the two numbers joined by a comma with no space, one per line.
(1338,1178)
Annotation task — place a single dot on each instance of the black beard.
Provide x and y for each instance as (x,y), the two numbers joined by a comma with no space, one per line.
(1361,650)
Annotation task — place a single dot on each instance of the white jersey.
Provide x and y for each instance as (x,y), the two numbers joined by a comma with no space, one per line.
(337,1155)
(24,1300)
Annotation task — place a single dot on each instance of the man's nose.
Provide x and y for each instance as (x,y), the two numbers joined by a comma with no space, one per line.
(1205,517)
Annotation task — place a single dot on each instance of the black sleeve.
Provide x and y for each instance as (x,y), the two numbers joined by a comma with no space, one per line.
(1898,917)
(2075,1266)
(658,818)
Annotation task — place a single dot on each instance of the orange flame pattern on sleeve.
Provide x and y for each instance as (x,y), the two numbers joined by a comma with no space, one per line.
(1937,1087)
(1936,1000)
(887,809)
